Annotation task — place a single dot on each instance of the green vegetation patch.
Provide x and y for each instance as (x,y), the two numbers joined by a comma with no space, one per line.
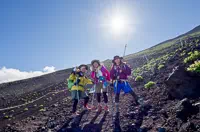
(136,72)
(183,53)
(193,56)
(42,110)
(195,67)
(161,66)
(6,117)
(149,84)
(139,78)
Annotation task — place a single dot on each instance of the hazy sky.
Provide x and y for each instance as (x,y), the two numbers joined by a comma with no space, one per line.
(64,33)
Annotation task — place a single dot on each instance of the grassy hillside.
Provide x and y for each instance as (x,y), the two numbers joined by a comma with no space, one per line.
(193,33)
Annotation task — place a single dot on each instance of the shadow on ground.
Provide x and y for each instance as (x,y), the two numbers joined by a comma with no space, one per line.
(91,127)
(117,127)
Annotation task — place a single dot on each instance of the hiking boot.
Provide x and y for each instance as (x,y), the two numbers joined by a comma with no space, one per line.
(99,108)
(106,108)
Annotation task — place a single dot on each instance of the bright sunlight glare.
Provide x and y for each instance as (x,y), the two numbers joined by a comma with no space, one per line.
(118,24)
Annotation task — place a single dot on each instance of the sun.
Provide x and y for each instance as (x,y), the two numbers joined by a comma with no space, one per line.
(117,24)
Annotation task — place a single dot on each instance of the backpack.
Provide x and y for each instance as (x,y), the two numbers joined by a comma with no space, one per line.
(70,83)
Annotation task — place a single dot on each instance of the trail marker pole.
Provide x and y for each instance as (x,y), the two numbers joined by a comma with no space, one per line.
(124,50)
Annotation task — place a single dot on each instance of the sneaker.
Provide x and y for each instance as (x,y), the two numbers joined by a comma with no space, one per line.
(93,108)
(87,107)
(106,108)
(99,108)
(75,114)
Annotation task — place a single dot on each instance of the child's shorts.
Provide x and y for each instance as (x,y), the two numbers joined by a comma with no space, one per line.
(123,85)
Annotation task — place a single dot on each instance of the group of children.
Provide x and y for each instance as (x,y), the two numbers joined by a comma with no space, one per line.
(101,79)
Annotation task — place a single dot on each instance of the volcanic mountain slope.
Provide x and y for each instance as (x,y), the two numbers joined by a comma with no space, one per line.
(171,104)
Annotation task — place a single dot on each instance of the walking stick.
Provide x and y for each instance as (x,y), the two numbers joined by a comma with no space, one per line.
(112,101)
(93,94)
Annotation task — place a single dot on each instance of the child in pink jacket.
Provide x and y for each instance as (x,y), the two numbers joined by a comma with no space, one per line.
(101,76)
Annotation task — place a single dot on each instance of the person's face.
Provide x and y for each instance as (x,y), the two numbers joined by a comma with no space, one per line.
(117,61)
(95,65)
(83,69)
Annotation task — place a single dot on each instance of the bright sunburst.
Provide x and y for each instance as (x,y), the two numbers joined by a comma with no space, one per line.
(117,24)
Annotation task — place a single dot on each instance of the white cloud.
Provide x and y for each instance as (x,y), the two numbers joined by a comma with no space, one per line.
(49,69)
(10,74)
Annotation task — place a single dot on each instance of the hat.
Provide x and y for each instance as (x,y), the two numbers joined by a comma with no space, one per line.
(97,61)
(83,65)
(116,57)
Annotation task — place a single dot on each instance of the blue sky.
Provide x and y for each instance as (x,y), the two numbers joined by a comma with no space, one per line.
(64,33)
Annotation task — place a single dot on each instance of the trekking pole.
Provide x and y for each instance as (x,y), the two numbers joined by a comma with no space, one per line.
(77,85)
(112,102)
(77,93)
(93,94)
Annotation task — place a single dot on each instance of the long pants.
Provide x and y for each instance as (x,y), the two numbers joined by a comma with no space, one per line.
(104,96)
(86,99)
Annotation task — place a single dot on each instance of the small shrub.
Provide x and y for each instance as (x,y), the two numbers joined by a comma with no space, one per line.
(160,66)
(183,53)
(189,53)
(194,67)
(6,117)
(193,56)
(149,84)
(136,72)
(197,41)
(139,78)
(42,110)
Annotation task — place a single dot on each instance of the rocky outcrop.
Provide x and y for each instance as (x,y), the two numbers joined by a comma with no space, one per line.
(185,109)
(181,84)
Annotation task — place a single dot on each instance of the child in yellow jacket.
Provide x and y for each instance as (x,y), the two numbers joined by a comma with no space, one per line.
(77,90)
